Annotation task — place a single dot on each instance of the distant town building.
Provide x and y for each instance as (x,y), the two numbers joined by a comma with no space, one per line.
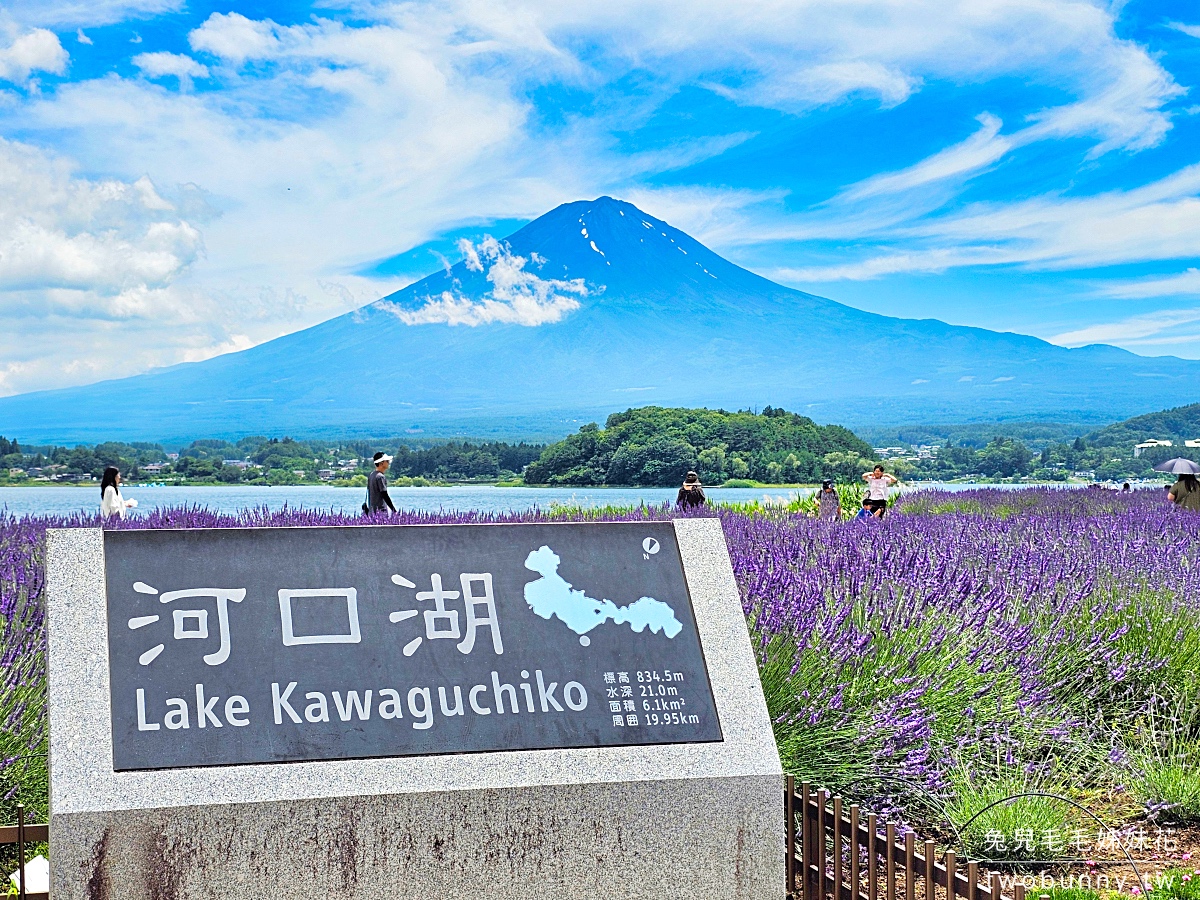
(237,463)
(886,452)
(325,474)
(1146,445)
(172,456)
(153,468)
(1192,444)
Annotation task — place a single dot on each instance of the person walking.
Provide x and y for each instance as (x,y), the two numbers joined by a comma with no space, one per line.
(878,482)
(377,492)
(1185,492)
(111,501)
(691,494)
(829,504)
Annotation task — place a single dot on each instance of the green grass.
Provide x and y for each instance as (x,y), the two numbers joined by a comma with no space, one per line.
(1172,886)
(1016,831)
(1165,769)
(1067,893)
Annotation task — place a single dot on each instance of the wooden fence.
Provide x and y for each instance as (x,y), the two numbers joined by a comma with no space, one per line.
(833,854)
(22,834)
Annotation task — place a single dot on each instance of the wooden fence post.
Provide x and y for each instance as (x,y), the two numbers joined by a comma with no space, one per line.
(854,872)
(910,871)
(837,848)
(890,869)
(21,848)
(805,843)
(789,813)
(821,854)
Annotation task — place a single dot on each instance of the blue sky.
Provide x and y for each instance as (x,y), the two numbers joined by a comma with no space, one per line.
(181,179)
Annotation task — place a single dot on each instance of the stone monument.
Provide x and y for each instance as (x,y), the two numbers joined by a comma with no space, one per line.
(510,711)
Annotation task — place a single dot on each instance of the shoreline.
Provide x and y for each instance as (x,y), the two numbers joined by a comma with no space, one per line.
(93,485)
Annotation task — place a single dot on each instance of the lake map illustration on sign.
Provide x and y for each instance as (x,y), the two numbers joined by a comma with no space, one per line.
(552,595)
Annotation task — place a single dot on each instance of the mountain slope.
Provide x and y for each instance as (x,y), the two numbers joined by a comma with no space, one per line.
(633,312)
(1177,425)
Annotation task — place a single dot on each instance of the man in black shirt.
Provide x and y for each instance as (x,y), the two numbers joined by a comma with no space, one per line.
(377,494)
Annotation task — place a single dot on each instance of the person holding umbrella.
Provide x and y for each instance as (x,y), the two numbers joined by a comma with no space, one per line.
(1185,492)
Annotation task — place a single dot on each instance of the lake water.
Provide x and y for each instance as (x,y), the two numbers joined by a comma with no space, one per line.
(485,498)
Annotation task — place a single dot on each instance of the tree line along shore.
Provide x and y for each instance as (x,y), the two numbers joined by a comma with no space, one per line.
(643,447)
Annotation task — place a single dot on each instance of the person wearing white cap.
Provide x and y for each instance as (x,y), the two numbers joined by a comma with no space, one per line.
(377,493)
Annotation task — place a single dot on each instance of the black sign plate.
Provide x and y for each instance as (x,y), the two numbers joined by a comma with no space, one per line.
(284,644)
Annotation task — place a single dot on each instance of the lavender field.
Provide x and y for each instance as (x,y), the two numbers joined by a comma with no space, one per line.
(969,647)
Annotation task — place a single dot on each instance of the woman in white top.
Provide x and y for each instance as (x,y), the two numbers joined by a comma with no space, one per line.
(111,501)
(877,490)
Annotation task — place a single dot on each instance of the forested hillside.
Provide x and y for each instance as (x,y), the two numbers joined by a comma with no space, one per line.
(657,446)
(1176,425)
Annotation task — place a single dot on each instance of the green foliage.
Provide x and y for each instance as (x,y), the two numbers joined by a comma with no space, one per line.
(1068,893)
(1164,748)
(1176,884)
(1178,424)
(657,446)
(260,460)
(1001,831)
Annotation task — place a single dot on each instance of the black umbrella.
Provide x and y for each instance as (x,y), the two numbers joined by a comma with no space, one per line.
(1178,466)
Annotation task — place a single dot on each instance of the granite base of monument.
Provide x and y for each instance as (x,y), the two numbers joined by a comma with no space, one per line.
(677,820)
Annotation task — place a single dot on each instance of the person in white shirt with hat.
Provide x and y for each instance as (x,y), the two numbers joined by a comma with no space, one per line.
(377,493)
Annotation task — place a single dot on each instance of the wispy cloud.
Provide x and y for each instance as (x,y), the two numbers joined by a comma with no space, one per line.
(1190,30)
(75,13)
(981,149)
(1184,284)
(1149,328)
(178,65)
(518,296)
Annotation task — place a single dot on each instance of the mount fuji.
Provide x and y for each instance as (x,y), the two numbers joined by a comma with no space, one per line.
(593,307)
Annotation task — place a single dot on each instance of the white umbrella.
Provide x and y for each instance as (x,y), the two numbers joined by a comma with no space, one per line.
(1178,466)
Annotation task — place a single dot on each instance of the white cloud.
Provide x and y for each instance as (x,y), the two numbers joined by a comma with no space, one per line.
(517,297)
(1142,329)
(981,149)
(75,13)
(1190,30)
(235,343)
(98,247)
(804,53)
(158,65)
(82,38)
(34,51)
(235,38)
(1184,284)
